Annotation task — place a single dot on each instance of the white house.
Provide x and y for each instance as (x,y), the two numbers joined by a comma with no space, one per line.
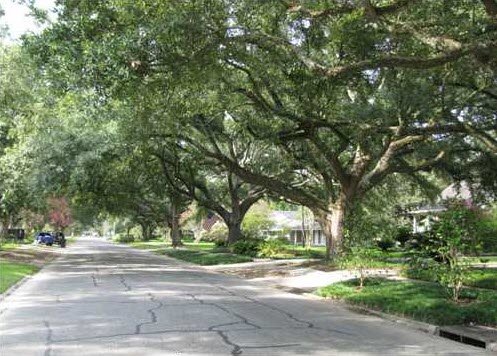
(291,225)
(424,215)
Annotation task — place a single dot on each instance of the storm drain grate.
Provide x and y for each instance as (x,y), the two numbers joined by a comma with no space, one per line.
(462,338)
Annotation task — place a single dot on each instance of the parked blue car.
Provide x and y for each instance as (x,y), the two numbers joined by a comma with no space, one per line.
(44,238)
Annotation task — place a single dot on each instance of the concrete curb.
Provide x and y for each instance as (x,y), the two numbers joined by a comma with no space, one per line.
(410,323)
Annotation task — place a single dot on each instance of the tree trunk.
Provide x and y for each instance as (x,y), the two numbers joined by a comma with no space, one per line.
(332,224)
(337,221)
(175,228)
(145,236)
(304,235)
(325,222)
(234,231)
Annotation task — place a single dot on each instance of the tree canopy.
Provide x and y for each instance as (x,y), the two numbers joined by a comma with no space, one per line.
(223,102)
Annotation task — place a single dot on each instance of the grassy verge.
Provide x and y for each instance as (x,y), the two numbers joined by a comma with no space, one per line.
(202,253)
(206,258)
(7,245)
(477,277)
(11,272)
(417,300)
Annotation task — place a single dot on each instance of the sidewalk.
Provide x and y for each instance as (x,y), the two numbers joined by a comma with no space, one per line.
(293,273)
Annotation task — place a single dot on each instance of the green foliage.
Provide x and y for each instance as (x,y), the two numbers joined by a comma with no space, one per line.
(475,277)
(487,230)
(207,258)
(418,300)
(124,238)
(11,272)
(359,258)
(453,235)
(218,233)
(272,248)
(247,247)
(385,244)
(220,243)
(403,235)
(256,221)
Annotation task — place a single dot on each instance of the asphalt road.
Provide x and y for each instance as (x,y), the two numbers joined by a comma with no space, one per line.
(104,299)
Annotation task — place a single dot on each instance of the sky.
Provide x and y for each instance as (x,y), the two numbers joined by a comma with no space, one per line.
(16,17)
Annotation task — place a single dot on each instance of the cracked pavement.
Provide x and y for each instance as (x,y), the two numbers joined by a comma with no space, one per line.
(106,299)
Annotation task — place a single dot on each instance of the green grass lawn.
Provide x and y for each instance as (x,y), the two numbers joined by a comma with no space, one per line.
(214,255)
(206,257)
(202,253)
(477,277)
(11,272)
(149,245)
(9,244)
(417,300)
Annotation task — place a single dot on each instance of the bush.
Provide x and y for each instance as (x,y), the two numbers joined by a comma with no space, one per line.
(221,243)
(247,247)
(403,235)
(219,232)
(257,221)
(124,238)
(386,244)
(283,240)
(487,227)
(450,237)
(359,258)
(272,248)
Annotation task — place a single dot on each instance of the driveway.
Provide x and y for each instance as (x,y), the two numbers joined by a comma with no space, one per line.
(105,299)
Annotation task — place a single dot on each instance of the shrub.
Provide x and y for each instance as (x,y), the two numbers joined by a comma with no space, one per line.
(487,227)
(386,244)
(124,238)
(450,237)
(221,243)
(359,258)
(403,235)
(257,221)
(219,232)
(247,247)
(272,248)
(283,240)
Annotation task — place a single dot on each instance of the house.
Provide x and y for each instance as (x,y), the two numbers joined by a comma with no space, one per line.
(423,216)
(293,225)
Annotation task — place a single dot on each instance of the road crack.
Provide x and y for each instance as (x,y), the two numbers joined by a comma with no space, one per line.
(237,350)
(289,315)
(226,310)
(94,279)
(151,311)
(124,283)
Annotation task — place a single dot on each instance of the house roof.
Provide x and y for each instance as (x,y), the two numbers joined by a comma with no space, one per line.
(460,190)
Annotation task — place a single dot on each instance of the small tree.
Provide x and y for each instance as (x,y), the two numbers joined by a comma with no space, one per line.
(360,258)
(452,236)
(359,250)
(60,213)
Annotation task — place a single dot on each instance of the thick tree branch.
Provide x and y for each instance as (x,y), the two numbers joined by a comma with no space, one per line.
(346,8)
(413,62)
